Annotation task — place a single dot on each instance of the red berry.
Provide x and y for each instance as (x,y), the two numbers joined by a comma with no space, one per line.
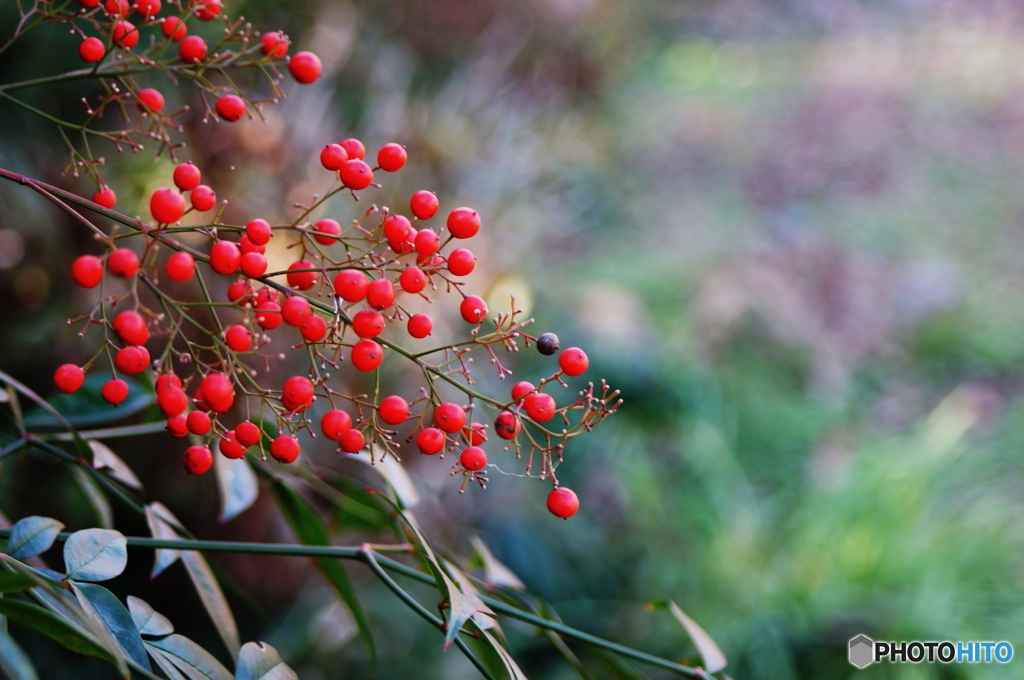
(131,360)
(198,423)
(352,441)
(147,8)
(412,280)
(420,325)
(540,406)
(167,380)
(298,390)
(247,434)
(573,361)
(150,100)
(230,107)
(333,157)
(192,49)
(450,417)
(463,222)
(116,8)
(329,227)
(427,242)
(225,257)
(218,392)
(131,327)
(355,174)
(473,309)
(173,28)
(391,157)
(87,271)
(198,399)
(302,280)
(521,389)
(114,391)
(172,401)
(180,266)
(305,67)
(123,262)
(401,247)
(91,50)
(473,458)
(186,176)
(351,285)
(354,148)
(285,448)
(238,338)
(259,231)
(105,197)
(424,204)
(197,460)
(367,355)
(166,205)
(177,425)
(125,34)
(368,324)
(380,294)
(240,292)
(273,45)
(230,447)
(295,311)
(461,261)
(563,502)
(209,10)
(247,246)
(393,410)
(430,440)
(506,425)
(335,424)
(203,198)
(254,265)
(398,228)
(268,315)
(475,434)
(314,329)
(68,378)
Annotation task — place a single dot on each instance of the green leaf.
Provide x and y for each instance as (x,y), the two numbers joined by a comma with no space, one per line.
(86,407)
(238,486)
(163,660)
(32,536)
(101,604)
(260,661)
(94,496)
(14,663)
(470,606)
(310,529)
(95,554)
(103,457)
(158,518)
(188,657)
(147,620)
(13,583)
(213,599)
(712,656)
(511,667)
(54,627)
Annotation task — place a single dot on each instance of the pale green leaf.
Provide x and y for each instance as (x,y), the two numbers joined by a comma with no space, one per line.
(32,536)
(260,661)
(95,554)
(147,620)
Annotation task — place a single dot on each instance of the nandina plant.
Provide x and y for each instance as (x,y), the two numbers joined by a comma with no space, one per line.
(351,298)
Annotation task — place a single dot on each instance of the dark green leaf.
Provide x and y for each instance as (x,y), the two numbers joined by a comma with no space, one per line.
(310,529)
(260,661)
(190,658)
(95,554)
(147,620)
(12,583)
(213,598)
(13,662)
(511,667)
(86,408)
(54,627)
(31,536)
(99,602)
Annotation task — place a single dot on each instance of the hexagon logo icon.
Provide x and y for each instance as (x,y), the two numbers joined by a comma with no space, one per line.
(862,651)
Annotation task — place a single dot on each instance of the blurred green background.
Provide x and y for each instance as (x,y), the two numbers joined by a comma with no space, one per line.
(792,232)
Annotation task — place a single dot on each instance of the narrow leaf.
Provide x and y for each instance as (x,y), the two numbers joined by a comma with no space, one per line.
(14,663)
(147,620)
(103,457)
(190,658)
(94,496)
(310,529)
(159,528)
(32,536)
(95,554)
(511,667)
(54,627)
(260,661)
(13,583)
(213,599)
(166,665)
(495,573)
(714,660)
(100,603)
(238,486)
(394,473)
(470,605)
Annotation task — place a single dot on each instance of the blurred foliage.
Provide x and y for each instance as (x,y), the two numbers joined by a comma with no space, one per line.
(790,232)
